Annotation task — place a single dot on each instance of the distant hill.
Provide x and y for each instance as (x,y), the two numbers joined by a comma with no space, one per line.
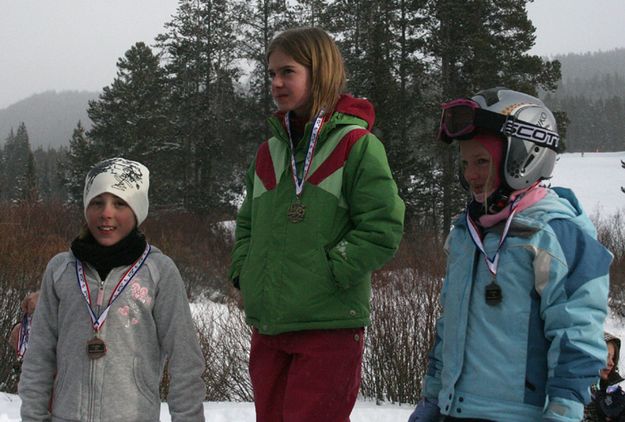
(593,75)
(586,65)
(592,94)
(50,117)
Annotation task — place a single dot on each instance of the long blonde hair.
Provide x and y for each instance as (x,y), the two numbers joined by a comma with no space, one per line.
(489,183)
(314,49)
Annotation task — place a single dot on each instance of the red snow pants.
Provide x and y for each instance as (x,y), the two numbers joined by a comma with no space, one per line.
(306,376)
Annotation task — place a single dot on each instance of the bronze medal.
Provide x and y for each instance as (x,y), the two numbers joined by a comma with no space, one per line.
(296,212)
(493,294)
(96,348)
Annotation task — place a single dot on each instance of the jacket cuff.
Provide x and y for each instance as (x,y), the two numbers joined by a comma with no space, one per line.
(431,388)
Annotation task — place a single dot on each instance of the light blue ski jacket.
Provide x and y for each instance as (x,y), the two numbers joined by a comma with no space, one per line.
(533,356)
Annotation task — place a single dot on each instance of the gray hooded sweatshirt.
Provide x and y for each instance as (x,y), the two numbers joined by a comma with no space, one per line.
(148,322)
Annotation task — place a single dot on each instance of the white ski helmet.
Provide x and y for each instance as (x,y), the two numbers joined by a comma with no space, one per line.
(523,120)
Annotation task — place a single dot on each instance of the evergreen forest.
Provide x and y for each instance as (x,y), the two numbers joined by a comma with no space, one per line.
(193,105)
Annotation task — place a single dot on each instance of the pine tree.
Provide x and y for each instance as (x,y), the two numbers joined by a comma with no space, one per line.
(311,12)
(80,157)
(262,20)
(383,45)
(47,162)
(4,184)
(130,120)
(20,176)
(200,48)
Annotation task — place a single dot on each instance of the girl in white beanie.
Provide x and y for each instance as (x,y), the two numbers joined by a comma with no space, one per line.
(111,372)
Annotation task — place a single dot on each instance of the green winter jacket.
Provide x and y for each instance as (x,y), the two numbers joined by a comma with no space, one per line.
(316,274)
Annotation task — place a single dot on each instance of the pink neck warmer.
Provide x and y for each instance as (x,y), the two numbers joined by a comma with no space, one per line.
(528,196)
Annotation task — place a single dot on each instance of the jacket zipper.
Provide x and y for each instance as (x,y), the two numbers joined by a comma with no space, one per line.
(92,364)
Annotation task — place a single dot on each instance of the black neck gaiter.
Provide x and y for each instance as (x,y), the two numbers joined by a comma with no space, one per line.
(105,258)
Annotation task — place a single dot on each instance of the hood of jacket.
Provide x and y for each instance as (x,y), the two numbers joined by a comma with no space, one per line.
(349,110)
(561,203)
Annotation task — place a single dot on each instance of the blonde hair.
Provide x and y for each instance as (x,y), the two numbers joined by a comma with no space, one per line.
(489,181)
(314,49)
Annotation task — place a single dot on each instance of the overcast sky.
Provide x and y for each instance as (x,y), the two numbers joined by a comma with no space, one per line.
(75,44)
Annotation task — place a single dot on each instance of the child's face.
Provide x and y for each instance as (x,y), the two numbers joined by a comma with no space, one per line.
(605,372)
(290,83)
(477,169)
(109,219)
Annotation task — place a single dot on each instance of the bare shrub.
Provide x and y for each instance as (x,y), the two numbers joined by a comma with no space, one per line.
(8,373)
(199,245)
(611,233)
(404,309)
(30,234)
(225,341)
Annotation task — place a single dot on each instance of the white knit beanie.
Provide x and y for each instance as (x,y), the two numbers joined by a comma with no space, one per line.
(126,179)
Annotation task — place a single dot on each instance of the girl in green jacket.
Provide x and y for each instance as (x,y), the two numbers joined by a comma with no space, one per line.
(321,213)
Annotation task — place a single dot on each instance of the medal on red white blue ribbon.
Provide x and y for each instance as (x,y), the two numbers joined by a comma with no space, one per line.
(492,293)
(297,210)
(96,348)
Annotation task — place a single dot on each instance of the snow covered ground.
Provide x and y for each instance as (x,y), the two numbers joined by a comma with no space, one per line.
(238,412)
(596,178)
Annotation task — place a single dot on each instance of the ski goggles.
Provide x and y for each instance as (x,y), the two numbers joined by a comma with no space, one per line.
(461,117)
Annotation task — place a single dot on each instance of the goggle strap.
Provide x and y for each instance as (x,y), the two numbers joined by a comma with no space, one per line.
(511,126)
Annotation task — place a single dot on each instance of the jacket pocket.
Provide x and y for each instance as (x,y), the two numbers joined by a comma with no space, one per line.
(66,400)
(306,291)
(249,262)
(325,258)
(144,384)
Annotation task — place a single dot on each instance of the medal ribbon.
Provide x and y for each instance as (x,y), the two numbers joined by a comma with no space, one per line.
(23,335)
(98,321)
(312,143)
(493,262)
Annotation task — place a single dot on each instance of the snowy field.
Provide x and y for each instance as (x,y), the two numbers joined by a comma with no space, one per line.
(596,178)
(238,412)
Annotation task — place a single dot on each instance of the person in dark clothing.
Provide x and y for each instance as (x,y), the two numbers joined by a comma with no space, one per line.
(608,398)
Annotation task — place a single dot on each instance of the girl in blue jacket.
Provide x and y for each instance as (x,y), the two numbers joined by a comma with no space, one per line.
(520,337)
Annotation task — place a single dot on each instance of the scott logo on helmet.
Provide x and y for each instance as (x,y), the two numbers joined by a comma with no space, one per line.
(532,133)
